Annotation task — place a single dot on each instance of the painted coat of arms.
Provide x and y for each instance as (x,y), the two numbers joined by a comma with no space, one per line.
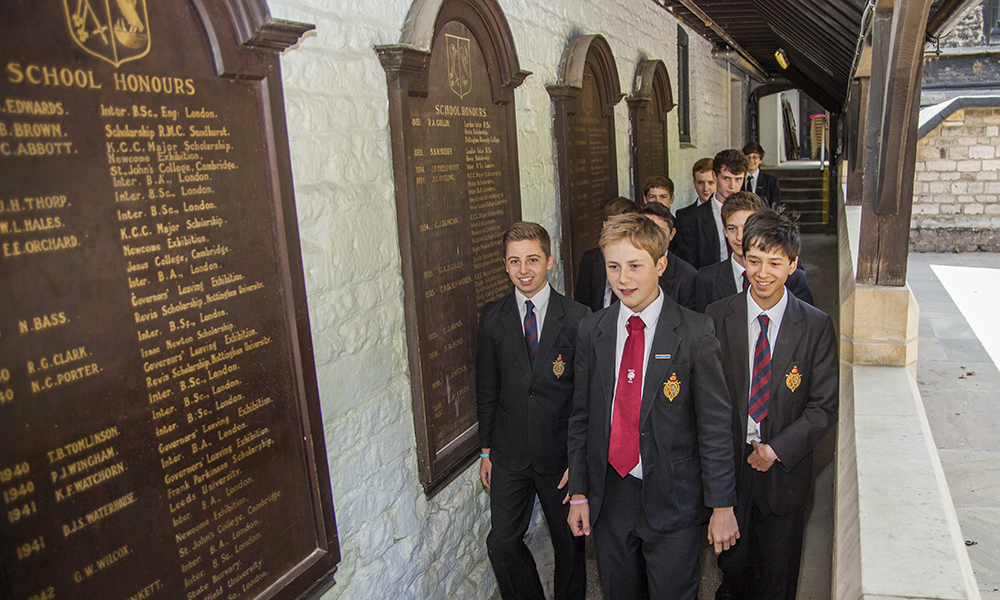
(459,65)
(114,30)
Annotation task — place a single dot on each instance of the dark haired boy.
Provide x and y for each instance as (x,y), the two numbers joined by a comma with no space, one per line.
(764,185)
(592,287)
(524,391)
(678,278)
(701,238)
(650,445)
(658,188)
(721,280)
(782,371)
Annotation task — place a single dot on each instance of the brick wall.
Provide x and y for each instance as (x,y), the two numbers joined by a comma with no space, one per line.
(396,543)
(957,184)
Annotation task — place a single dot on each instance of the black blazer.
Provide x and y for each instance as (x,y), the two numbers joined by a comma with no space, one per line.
(797,418)
(591,280)
(523,411)
(767,188)
(677,281)
(685,442)
(715,282)
(698,236)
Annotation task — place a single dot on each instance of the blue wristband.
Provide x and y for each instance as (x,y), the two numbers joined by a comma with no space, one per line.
(484,456)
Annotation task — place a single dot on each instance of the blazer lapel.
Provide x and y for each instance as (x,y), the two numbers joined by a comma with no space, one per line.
(727,285)
(515,332)
(554,315)
(788,338)
(665,341)
(604,349)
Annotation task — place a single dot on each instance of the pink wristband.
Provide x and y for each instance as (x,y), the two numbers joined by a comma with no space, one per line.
(577,502)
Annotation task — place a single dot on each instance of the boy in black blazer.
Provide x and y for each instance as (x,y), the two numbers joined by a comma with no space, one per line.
(724,279)
(678,278)
(591,282)
(782,371)
(764,185)
(700,236)
(650,441)
(524,391)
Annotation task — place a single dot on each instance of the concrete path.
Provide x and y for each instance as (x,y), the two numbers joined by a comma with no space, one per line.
(959,382)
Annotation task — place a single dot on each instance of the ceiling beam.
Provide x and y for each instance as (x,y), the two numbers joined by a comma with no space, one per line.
(711,24)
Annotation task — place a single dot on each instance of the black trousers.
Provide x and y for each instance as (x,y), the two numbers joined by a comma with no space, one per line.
(636,562)
(512,497)
(764,563)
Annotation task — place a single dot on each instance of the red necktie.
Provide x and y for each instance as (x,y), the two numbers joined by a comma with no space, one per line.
(760,383)
(746,282)
(623,450)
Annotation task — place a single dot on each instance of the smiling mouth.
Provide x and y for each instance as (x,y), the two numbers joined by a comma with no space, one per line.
(627,292)
(525,280)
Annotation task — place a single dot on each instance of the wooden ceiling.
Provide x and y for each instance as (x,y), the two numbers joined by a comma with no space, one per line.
(819,38)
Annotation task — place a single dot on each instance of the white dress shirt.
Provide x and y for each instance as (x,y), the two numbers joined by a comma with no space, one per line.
(737,273)
(650,316)
(541,303)
(775,314)
(717,212)
(754,179)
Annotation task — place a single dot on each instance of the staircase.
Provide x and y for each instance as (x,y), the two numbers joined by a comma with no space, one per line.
(802,192)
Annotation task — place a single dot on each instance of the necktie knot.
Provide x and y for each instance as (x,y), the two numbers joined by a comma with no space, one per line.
(635,323)
(529,306)
(764,322)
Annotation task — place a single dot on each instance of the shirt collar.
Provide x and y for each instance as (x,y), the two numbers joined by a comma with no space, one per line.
(754,310)
(737,269)
(540,300)
(649,315)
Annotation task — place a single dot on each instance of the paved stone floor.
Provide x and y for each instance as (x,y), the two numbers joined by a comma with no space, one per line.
(960,386)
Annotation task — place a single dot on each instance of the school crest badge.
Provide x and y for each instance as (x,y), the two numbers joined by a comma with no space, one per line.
(558,367)
(459,65)
(793,379)
(672,387)
(113,30)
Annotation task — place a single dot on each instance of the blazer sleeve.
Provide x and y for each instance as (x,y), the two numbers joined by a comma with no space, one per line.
(714,411)
(686,237)
(701,292)
(579,422)
(797,440)
(487,380)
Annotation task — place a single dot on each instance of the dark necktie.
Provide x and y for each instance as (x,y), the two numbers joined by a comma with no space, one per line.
(623,449)
(760,383)
(750,183)
(746,282)
(530,331)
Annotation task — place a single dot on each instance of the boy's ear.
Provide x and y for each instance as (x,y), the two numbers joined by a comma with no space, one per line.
(661,265)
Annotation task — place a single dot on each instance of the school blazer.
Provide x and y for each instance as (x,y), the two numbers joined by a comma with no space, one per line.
(685,442)
(801,410)
(715,282)
(524,411)
(697,236)
(678,280)
(591,280)
(767,188)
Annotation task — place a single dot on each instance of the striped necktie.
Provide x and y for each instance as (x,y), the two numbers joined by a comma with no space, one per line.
(760,383)
(530,331)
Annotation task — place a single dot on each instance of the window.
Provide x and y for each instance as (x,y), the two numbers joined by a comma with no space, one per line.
(991,21)
(683,88)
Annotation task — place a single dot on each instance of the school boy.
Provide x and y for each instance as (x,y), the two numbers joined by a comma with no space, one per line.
(524,391)
(650,446)
(592,287)
(658,188)
(781,369)
(678,278)
(721,280)
(764,185)
(700,235)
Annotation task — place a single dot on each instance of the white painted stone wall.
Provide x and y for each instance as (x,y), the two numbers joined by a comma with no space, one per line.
(395,542)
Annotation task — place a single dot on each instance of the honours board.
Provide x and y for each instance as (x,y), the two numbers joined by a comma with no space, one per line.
(457,190)
(159,422)
(648,108)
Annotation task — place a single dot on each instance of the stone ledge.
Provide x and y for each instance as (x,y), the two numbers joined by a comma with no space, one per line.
(954,239)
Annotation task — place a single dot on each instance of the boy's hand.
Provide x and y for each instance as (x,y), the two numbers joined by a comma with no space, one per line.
(579,517)
(485,468)
(722,529)
(762,457)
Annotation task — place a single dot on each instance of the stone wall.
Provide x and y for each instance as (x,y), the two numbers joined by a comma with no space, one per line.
(396,543)
(956,192)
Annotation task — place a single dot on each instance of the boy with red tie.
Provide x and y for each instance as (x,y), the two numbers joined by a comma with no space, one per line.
(650,448)
(782,371)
